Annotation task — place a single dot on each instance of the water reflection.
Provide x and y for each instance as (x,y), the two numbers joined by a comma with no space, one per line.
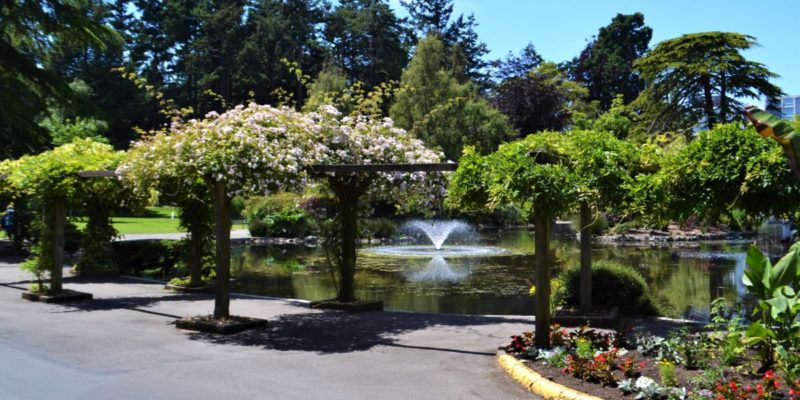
(689,276)
(437,271)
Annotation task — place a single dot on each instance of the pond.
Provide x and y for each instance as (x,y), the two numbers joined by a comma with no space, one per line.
(690,275)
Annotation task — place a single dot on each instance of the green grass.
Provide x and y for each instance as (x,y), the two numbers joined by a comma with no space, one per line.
(154,220)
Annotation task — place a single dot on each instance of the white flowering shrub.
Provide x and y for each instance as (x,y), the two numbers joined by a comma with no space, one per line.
(251,149)
(257,149)
(362,140)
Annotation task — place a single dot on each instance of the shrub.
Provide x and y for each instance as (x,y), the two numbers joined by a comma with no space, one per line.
(378,228)
(277,215)
(612,285)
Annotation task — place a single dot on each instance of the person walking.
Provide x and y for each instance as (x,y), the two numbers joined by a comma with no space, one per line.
(7,221)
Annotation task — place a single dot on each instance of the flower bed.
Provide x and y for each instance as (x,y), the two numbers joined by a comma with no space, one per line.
(730,360)
(635,364)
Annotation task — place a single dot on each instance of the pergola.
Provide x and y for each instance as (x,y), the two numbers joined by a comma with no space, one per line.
(348,182)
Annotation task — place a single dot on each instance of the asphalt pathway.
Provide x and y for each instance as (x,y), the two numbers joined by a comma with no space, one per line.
(124,345)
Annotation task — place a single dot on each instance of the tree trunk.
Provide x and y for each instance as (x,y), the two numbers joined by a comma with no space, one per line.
(542,258)
(58,213)
(586,256)
(222,298)
(708,106)
(348,213)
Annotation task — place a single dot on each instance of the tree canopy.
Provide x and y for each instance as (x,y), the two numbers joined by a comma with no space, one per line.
(543,99)
(28,31)
(703,75)
(433,106)
(605,66)
(725,168)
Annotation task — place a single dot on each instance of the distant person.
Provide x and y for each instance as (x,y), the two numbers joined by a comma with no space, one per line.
(7,221)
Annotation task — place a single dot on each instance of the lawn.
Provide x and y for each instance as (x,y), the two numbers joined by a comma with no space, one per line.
(162,219)
(154,220)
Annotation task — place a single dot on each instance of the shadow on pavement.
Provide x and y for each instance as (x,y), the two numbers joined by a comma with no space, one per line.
(339,332)
(131,303)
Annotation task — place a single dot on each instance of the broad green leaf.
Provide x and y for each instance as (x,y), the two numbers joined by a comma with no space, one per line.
(785,271)
(778,305)
(757,330)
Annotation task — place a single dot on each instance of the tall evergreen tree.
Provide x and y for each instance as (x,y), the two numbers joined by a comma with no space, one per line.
(429,16)
(216,49)
(280,30)
(514,66)
(464,50)
(435,107)
(605,66)
(120,103)
(368,41)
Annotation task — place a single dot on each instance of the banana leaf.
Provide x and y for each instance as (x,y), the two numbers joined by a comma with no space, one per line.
(770,126)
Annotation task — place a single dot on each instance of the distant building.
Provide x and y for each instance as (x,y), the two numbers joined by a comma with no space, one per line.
(789,106)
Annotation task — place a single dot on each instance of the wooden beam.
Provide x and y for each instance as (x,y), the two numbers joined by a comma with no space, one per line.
(384,167)
(96,174)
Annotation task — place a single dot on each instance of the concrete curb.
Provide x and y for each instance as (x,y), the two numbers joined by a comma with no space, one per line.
(536,383)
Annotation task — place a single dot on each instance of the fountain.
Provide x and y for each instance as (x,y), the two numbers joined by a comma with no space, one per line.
(437,233)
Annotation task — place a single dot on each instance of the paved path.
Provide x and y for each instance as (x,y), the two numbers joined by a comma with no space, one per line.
(123,345)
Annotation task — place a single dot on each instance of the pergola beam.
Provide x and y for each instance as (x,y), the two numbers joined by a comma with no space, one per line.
(437,167)
(97,174)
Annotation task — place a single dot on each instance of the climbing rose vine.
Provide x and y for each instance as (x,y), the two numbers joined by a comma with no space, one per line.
(257,148)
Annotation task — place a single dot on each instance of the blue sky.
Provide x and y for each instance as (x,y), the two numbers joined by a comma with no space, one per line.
(559,29)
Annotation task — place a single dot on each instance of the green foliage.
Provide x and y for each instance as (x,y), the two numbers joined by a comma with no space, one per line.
(618,120)
(63,131)
(666,370)
(777,331)
(369,41)
(528,173)
(605,65)
(612,285)
(378,228)
(331,88)
(462,46)
(690,70)
(38,267)
(725,168)
(558,359)
(729,340)
(63,128)
(438,109)
(277,215)
(53,176)
(516,66)
(29,28)
(603,164)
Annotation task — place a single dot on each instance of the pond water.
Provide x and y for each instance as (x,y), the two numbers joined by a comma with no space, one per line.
(690,275)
